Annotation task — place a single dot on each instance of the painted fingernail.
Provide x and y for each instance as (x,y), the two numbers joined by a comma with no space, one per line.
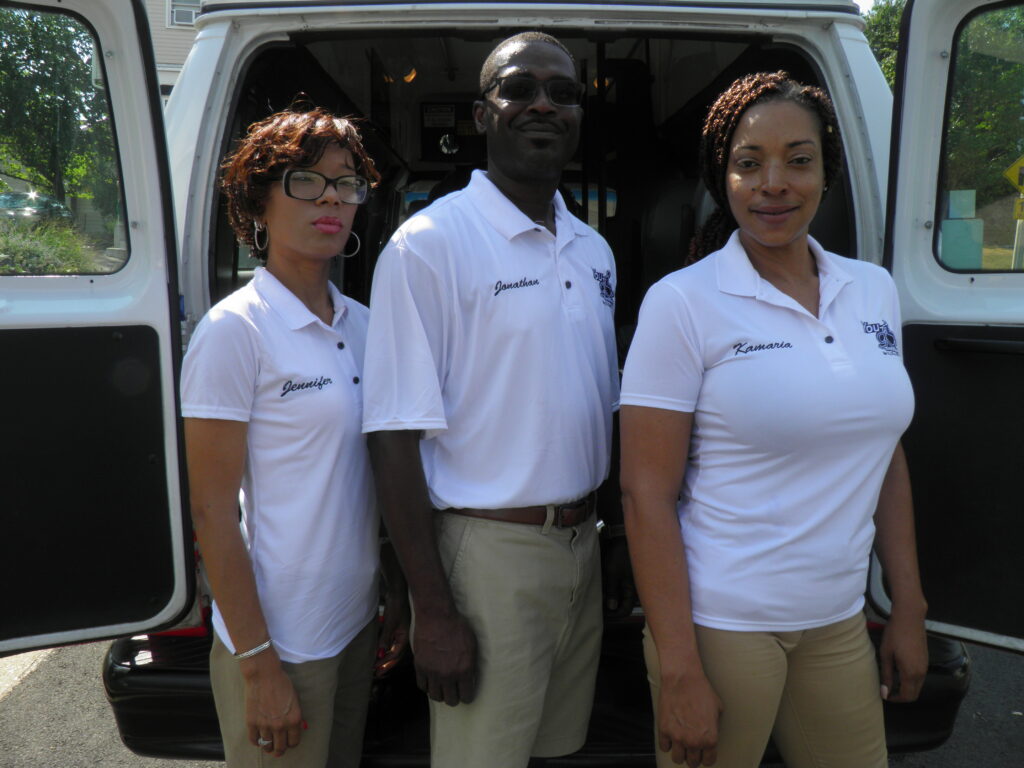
(305,725)
(381,653)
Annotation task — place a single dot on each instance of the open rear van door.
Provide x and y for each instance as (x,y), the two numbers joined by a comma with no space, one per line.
(95,541)
(955,244)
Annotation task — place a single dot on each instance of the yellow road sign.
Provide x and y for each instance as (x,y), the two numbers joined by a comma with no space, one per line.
(1015,173)
(1018,209)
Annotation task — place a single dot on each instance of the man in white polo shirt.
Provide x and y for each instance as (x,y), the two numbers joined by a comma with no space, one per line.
(491,376)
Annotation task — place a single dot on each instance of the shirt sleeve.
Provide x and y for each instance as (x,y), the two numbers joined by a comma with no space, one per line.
(664,367)
(219,372)
(404,368)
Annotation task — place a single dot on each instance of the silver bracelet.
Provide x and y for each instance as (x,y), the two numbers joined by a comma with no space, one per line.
(252,651)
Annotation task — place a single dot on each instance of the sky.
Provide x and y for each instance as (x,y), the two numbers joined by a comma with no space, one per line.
(865,5)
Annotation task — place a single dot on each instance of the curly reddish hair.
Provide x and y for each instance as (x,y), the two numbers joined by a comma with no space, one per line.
(288,139)
(716,143)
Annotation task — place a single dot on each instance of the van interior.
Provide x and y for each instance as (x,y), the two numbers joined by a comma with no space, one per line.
(636,166)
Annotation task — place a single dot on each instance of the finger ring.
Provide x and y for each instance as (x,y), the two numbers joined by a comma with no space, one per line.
(261,742)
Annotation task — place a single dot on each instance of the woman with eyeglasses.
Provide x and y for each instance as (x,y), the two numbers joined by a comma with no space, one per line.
(272,403)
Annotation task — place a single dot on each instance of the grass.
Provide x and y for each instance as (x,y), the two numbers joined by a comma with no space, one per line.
(996,259)
(43,248)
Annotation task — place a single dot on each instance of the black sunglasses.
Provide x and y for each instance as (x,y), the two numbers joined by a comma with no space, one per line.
(523,90)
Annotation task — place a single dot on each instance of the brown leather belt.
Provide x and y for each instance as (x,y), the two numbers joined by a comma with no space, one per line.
(564,515)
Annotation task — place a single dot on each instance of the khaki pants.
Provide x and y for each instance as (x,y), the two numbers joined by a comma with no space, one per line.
(533,598)
(333,693)
(815,691)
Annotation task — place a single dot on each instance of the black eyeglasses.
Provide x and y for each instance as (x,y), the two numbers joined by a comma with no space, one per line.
(303,184)
(523,90)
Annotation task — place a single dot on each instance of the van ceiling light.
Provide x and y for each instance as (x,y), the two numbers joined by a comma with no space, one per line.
(410,76)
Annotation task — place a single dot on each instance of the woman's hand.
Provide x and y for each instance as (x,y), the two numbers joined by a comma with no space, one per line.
(904,651)
(688,712)
(903,656)
(272,711)
(394,631)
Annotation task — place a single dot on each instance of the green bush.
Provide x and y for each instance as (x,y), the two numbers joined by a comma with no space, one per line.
(43,248)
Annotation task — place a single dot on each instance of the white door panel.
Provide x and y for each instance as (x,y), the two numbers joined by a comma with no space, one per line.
(956,252)
(96,542)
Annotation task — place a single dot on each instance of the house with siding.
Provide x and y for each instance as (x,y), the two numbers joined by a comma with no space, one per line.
(171,26)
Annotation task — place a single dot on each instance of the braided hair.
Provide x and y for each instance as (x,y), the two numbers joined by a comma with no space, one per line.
(716,141)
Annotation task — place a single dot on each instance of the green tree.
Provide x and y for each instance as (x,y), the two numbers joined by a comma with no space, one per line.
(882,29)
(986,109)
(54,129)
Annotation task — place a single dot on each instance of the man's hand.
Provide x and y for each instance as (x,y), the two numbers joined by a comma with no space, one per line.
(394,631)
(688,713)
(445,656)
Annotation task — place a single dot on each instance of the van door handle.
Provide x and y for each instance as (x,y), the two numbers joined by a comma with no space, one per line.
(988,346)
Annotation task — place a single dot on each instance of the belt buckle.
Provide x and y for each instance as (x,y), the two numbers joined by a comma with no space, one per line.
(570,507)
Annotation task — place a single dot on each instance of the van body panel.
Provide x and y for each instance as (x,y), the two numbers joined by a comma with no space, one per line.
(195,118)
(97,538)
(231,34)
(787,6)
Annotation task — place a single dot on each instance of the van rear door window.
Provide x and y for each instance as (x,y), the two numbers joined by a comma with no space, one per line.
(61,206)
(981,200)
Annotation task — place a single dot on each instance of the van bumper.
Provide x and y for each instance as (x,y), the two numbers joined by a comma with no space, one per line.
(159,690)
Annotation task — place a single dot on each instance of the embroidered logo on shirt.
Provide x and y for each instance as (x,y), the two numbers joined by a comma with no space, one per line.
(745,347)
(604,282)
(318,383)
(884,335)
(525,282)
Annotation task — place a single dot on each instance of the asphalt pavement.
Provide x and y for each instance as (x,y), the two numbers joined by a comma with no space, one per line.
(57,716)
(53,714)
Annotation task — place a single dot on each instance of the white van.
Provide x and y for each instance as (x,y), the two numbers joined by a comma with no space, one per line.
(98,538)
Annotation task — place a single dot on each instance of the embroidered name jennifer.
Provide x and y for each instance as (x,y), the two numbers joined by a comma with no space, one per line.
(744,347)
(318,383)
(525,282)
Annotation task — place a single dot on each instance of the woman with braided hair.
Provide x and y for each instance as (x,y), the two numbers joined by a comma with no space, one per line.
(763,401)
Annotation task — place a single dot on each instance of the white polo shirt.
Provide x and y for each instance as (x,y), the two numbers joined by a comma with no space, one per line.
(495,338)
(309,517)
(795,422)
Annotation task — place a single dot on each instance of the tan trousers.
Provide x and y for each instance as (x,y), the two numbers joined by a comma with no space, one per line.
(815,691)
(333,693)
(533,598)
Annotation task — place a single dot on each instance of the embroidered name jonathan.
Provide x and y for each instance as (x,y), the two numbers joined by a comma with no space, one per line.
(318,383)
(745,347)
(525,282)
(883,335)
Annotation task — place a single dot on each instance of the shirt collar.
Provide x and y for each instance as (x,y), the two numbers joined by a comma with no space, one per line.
(736,275)
(295,314)
(508,220)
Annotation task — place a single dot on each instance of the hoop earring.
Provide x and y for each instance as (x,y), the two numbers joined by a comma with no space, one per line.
(256,229)
(359,244)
